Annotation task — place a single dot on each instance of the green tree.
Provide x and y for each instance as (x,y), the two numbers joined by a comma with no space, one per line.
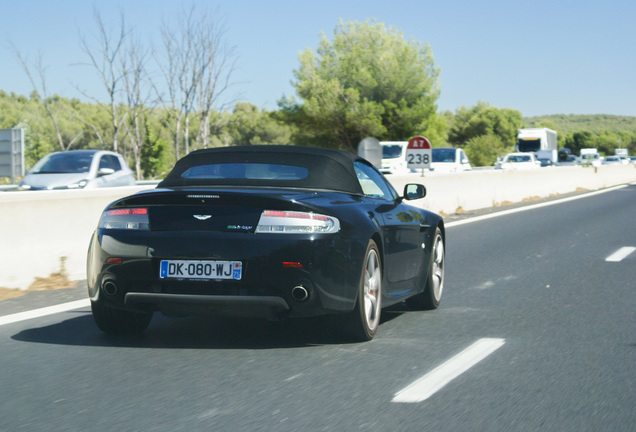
(483,150)
(436,131)
(249,125)
(483,119)
(155,155)
(37,149)
(367,81)
(582,139)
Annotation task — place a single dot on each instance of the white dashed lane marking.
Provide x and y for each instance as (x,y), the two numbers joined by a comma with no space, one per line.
(429,384)
(620,254)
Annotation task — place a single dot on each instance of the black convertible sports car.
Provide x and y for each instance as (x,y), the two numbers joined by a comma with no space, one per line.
(269,232)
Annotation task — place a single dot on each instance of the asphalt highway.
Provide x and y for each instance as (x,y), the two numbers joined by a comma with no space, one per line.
(536,332)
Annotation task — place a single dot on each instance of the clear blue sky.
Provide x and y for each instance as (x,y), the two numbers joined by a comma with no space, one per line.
(539,57)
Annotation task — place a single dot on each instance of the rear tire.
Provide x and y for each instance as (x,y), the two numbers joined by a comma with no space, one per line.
(118,321)
(363,321)
(432,294)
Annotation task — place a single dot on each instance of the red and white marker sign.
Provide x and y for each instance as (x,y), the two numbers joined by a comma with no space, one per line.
(418,153)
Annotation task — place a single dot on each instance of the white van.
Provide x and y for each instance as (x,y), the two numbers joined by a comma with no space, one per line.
(449,160)
(394,157)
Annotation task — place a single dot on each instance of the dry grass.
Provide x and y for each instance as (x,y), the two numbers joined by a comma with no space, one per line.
(503,203)
(6,293)
(53,282)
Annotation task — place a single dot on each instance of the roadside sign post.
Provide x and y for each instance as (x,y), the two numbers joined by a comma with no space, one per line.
(418,153)
(370,149)
(12,153)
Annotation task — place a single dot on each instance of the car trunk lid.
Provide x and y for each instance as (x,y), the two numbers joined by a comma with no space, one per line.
(212,210)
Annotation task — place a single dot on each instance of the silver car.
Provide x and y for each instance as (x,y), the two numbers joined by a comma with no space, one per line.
(612,160)
(518,161)
(78,169)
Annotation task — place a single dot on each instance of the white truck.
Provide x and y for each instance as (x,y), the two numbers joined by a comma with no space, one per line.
(540,141)
(590,156)
(622,153)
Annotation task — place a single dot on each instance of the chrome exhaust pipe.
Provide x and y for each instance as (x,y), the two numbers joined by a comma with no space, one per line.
(109,287)
(299,293)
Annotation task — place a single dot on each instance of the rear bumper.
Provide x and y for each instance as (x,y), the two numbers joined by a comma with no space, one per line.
(329,270)
(184,304)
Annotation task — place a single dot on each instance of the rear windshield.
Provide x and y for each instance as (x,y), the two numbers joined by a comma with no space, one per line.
(529,144)
(266,166)
(391,151)
(252,171)
(518,158)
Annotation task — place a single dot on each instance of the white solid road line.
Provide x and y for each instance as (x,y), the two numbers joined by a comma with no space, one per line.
(620,254)
(37,313)
(432,382)
(531,207)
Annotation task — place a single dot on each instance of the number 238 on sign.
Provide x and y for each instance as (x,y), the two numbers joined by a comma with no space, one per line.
(418,153)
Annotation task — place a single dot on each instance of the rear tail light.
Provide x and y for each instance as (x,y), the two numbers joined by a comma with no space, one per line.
(125,218)
(291,222)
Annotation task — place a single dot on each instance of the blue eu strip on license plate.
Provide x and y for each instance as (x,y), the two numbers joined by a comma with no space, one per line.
(197,269)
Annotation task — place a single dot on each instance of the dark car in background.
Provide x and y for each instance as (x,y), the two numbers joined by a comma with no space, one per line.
(78,169)
(271,232)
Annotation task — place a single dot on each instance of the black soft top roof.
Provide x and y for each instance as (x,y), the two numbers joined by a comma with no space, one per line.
(328,169)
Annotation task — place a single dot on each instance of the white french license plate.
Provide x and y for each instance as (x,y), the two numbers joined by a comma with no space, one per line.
(189,269)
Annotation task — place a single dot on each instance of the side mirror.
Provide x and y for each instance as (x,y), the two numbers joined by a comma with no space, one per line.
(414,191)
(105,171)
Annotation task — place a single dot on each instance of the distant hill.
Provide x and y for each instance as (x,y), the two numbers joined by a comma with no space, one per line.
(566,123)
